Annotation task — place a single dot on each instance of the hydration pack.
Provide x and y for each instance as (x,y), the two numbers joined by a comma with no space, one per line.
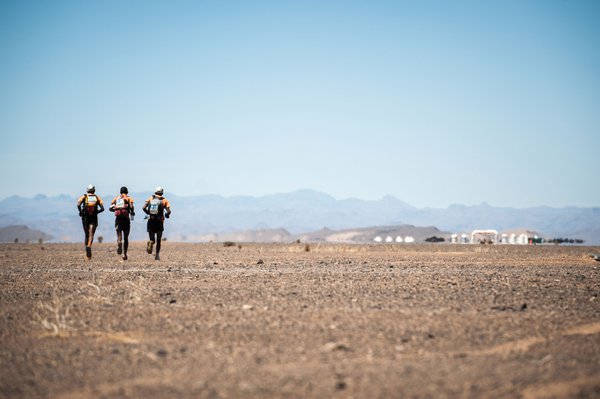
(90,202)
(155,206)
(121,206)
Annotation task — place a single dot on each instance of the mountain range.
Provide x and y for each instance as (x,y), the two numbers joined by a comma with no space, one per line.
(299,214)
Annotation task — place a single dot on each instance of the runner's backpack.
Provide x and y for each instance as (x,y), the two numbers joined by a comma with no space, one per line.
(90,202)
(121,206)
(155,206)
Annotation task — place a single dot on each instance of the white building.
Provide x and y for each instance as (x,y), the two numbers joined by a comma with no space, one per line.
(399,239)
(479,235)
(523,239)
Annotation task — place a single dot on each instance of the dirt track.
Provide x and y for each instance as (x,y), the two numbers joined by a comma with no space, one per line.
(339,321)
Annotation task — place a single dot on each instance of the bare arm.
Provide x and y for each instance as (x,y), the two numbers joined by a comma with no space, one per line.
(145,208)
(100,205)
(168,208)
(79,202)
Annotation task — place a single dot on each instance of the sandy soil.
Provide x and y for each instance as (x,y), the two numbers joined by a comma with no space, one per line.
(376,321)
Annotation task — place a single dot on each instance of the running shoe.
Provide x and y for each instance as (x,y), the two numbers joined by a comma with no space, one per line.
(149,247)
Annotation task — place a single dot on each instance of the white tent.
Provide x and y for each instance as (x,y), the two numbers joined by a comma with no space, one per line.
(523,239)
(476,234)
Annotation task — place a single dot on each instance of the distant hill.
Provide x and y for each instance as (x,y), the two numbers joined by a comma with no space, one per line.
(368,234)
(22,234)
(196,218)
(352,236)
(262,235)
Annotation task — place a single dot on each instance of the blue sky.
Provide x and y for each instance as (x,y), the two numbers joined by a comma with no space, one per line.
(434,102)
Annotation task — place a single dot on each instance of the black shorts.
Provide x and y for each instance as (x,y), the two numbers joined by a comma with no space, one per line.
(122,223)
(155,226)
(90,220)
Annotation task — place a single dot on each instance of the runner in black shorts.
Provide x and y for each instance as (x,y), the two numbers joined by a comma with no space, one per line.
(122,206)
(89,206)
(157,208)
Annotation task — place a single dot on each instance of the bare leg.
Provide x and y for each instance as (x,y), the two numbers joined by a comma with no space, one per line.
(91,235)
(86,232)
(90,229)
(119,241)
(150,242)
(125,241)
(158,241)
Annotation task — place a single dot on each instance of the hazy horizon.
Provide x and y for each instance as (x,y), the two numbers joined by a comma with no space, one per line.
(435,103)
(108,196)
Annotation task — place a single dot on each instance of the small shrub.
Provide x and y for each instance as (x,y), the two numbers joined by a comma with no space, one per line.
(16,240)
(229,244)
(307,248)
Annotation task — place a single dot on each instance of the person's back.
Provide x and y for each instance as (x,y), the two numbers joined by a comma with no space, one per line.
(88,205)
(123,205)
(156,207)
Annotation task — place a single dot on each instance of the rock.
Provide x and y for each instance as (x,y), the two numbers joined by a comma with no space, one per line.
(260,262)
(247,307)
(161,352)
(335,346)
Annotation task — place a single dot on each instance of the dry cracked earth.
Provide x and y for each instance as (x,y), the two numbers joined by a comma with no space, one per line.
(262,321)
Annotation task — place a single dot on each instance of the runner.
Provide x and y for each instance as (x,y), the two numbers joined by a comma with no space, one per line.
(157,208)
(122,206)
(89,206)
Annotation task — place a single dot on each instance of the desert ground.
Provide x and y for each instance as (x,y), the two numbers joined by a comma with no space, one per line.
(276,320)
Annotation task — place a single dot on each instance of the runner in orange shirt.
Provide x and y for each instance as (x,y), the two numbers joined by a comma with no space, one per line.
(157,208)
(89,206)
(122,206)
